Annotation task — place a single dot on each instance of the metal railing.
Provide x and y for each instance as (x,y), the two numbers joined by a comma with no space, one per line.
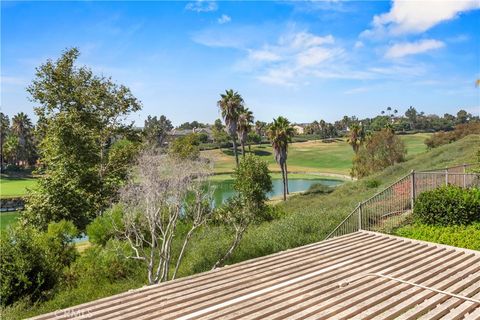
(388,208)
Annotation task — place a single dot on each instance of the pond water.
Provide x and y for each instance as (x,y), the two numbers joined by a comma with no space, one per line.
(224,189)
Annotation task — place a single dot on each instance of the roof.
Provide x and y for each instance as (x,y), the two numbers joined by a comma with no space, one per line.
(360,275)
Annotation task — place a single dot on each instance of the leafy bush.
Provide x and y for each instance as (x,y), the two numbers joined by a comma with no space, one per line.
(318,188)
(32,261)
(103,264)
(372,183)
(461,130)
(102,228)
(458,236)
(448,205)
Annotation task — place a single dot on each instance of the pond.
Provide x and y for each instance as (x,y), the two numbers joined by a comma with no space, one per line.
(224,189)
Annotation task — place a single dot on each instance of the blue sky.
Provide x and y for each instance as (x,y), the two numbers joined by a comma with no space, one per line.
(304,60)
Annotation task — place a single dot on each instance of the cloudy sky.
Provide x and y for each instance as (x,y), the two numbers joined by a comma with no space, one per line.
(306,60)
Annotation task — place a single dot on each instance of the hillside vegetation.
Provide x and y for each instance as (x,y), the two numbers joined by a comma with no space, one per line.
(302,219)
(309,218)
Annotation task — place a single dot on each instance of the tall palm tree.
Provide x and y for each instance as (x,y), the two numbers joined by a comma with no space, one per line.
(244,126)
(22,128)
(280,133)
(230,104)
(357,136)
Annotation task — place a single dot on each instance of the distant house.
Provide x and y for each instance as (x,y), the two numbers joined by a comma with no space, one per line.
(299,129)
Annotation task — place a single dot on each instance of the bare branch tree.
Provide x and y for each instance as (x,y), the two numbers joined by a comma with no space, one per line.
(166,190)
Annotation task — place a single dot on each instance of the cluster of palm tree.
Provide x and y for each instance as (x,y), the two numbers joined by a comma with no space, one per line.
(238,119)
(238,122)
(17,140)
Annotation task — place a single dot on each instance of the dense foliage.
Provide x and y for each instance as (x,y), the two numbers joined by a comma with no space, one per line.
(81,117)
(458,236)
(380,150)
(461,130)
(32,261)
(185,147)
(448,205)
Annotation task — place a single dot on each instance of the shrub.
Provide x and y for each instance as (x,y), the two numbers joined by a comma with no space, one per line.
(103,264)
(448,205)
(318,188)
(102,228)
(458,236)
(461,130)
(32,262)
(372,183)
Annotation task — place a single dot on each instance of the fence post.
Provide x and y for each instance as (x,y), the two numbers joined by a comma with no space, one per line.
(359,216)
(446,176)
(412,189)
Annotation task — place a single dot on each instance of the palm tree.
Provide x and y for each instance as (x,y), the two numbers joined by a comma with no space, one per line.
(280,133)
(357,136)
(244,126)
(22,129)
(231,103)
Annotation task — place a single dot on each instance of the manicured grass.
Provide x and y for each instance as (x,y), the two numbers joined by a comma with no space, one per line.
(7,218)
(458,236)
(15,186)
(311,156)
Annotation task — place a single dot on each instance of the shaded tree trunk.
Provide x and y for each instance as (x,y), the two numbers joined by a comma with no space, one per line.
(243,149)
(286,177)
(282,167)
(235,151)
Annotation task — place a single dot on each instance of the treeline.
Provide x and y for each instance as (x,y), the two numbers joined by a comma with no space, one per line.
(411,121)
(18,142)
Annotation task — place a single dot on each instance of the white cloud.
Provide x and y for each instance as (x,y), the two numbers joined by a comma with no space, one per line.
(263,55)
(410,17)
(357,90)
(358,45)
(295,56)
(202,6)
(224,19)
(400,50)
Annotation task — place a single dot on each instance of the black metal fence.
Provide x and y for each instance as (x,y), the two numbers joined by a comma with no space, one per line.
(391,206)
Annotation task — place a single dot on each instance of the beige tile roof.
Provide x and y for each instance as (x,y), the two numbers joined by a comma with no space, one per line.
(363,275)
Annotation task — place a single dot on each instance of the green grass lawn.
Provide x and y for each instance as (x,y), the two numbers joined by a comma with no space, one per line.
(311,156)
(15,186)
(7,218)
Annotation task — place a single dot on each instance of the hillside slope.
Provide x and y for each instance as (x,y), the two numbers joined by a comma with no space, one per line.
(309,218)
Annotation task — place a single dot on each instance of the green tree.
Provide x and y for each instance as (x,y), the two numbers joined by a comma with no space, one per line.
(81,115)
(230,104)
(4,131)
(280,133)
(412,114)
(245,121)
(218,132)
(252,183)
(185,147)
(381,150)
(10,149)
(156,130)
(463,116)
